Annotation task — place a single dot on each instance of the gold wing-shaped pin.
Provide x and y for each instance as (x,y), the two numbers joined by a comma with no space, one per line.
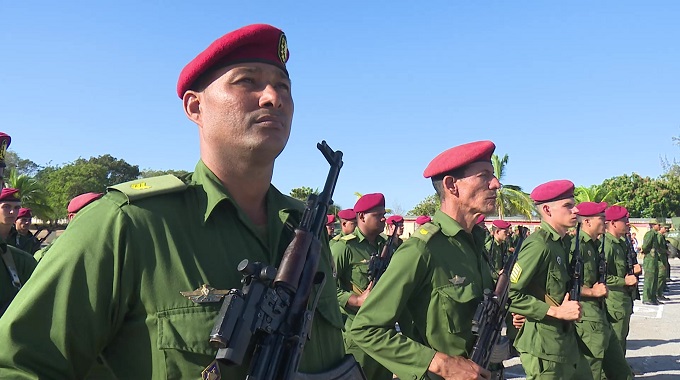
(205,294)
(457,280)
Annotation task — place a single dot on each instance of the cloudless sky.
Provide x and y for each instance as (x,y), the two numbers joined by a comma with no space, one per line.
(580,90)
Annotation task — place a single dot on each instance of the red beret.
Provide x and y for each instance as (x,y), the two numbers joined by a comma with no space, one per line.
(501,224)
(5,140)
(347,214)
(590,208)
(480,219)
(252,43)
(81,201)
(330,219)
(552,191)
(394,219)
(369,201)
(423,219)
(615,213)
(24,213)
(459,156)
(10,195)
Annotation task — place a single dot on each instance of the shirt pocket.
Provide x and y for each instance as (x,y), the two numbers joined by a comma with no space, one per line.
(454,301)
(556,284)
(183,337)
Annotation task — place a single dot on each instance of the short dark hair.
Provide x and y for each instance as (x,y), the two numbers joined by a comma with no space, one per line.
(438,184)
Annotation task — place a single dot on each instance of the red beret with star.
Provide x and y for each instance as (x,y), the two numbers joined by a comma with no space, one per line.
(81,201)
(347,214)
(423,219)
(501,224)
(553,191)
(330,219)
(395,219)
(24,213)
(10,195)
(252,43)
(369,201)
(459,156)
(615,213)
(591,208)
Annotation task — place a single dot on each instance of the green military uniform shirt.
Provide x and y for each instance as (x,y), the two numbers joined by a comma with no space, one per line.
(540,270)
(620,299)
(25,264)
(438,276)
(27,243)
(111,285)
(650,264)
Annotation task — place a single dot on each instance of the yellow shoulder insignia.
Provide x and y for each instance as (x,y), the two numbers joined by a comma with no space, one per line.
(146,187)
(426,231)
(337,237)
(348,237)
(516,272)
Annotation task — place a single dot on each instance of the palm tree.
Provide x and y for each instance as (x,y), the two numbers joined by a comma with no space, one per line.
(594,193)
(511,199)
(33,194)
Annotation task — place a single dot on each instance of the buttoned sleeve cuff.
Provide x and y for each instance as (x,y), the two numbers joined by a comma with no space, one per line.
(425,357)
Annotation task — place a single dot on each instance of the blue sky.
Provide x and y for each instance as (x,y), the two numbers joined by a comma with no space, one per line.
(579,90)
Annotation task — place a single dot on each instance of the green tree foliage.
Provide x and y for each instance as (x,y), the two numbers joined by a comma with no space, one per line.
(511,200)
(645,197)
(146,173)
(33,194)
(302,193)
(427,206)
(594,193)
(117,171)
(22,166)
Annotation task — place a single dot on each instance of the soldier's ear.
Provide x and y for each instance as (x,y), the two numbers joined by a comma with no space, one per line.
(450,185)
(192,106)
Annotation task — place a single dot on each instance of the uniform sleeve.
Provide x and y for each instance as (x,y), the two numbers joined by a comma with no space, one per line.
(67,312)
(523,275)
(343,270)
(373,327)
(613,279)
(648,241)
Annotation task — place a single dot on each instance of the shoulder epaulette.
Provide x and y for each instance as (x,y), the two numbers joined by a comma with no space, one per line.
(348,237)
(147,187)
(337,237)
(426,231)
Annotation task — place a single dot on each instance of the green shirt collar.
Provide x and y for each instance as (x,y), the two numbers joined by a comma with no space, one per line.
(550,231)
(451,227)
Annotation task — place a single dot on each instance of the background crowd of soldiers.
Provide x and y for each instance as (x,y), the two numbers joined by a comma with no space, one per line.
(415,308)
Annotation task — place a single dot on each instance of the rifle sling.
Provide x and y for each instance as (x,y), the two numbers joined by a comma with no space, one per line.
(8,259)
(533,288)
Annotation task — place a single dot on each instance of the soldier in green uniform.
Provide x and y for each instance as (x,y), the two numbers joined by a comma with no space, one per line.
(595,336)
(623,287)
(395,222)
(650,264)
(497,246)
(20,235)
(17,265)
(348,222)
(330,225)
(663,263)
(438,276)
(352,255)
(547,341)
(112,281)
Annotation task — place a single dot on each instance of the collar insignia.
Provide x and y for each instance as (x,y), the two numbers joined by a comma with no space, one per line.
(205,294)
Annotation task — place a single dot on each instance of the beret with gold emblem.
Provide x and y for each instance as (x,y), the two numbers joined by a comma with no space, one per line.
(615,213)
(253,43)
(347,214)
(459,156)
(9,195)
(591,208)
(369,201)
(81,201)
(552,191)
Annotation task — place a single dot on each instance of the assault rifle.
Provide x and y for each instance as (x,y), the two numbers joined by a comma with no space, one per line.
(602,269)
(269,319)
(491,312)
(576,269)
(379,261)
(631,261)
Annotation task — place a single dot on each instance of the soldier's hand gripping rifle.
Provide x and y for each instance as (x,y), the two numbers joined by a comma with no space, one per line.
(631,262)
(491,312)
(270,318)
(379,261)
(576,269)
